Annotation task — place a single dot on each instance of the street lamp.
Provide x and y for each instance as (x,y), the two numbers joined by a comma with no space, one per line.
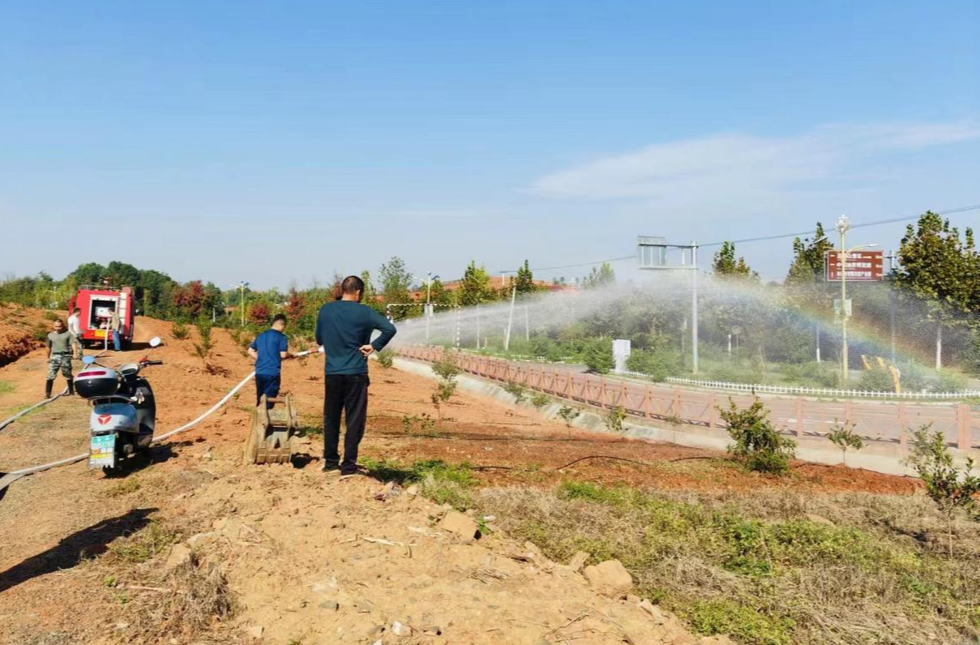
(242,286)
(843,226)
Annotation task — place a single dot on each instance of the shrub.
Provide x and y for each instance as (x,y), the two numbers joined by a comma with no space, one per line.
(951,488)
(516,390)
(418,424)
(736,373)
(259,313)
(386,358)
(950,382)
(179,330)
(203,348)
(540,400)
(614,419)
(51,316)
(913,377)
(876,380)
(446,368)
(568,414)
(597,355)
(758,446)
(844,437)
(657,365)
(40,332)
(811,374)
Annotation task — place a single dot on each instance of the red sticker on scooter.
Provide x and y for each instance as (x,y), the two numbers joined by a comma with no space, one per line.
(104,419)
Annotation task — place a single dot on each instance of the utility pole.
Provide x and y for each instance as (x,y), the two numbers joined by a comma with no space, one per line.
(891,301)
(527,323)
(241,287)
(510,319)
(843,226)
(694,306)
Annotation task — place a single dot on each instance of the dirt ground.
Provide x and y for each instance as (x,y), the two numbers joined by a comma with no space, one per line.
(307,558)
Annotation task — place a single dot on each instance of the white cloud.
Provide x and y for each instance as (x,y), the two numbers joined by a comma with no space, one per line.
(745,171)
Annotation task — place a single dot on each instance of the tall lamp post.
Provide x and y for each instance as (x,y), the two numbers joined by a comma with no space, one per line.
(843,226)
(242,286)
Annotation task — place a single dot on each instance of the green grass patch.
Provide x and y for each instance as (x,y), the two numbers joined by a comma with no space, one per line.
(139,547)
(761,567)
(124,487)
(6,387)
(442,482)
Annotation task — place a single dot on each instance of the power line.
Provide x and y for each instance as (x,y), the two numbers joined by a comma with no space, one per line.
(764,238)
(894,220)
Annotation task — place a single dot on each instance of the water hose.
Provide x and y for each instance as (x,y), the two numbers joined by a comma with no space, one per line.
(13,476)
(4,424)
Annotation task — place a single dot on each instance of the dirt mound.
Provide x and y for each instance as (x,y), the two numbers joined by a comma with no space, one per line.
(21,331)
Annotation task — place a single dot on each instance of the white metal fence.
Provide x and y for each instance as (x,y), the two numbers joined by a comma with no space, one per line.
(807,391)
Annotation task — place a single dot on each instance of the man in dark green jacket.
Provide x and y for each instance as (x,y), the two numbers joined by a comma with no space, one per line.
(344,329)
(61,343)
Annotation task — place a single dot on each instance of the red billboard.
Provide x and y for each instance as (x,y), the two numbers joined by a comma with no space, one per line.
(862,266)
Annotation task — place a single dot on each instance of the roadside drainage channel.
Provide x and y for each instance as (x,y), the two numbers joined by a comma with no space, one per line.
(883,459)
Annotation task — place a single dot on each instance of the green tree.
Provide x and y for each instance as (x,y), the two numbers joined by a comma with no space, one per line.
(725,264)
(807,267)
(395,284)
(941,270)
(806,281)
(951,488)
(438,293)
(121,274)
(475,286)
(598,277)
(525,280)
(89,273)
(371,297)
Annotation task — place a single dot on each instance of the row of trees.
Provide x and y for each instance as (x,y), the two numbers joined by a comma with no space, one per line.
(934,284)
(155,293)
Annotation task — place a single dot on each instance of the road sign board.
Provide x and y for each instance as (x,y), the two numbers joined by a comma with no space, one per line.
(862,266)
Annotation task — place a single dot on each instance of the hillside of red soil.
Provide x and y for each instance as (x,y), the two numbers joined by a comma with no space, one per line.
(19,328)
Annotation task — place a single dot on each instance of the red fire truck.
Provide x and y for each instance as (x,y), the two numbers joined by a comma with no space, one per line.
(98,304)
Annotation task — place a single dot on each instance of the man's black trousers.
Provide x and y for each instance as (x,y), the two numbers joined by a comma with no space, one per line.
(347,392)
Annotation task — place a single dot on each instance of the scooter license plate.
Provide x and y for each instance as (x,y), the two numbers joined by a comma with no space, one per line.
(102,451)
(100,333)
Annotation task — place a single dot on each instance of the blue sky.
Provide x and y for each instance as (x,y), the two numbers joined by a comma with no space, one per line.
(279,142)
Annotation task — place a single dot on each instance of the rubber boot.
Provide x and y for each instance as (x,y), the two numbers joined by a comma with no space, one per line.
(71,386)
(47,389)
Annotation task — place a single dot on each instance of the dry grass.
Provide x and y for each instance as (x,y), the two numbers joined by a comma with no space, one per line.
(183,602)
(771,568)
(187,602)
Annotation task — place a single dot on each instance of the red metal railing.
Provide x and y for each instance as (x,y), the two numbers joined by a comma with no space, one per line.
(873,420)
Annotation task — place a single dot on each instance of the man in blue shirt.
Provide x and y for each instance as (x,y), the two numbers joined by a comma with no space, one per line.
(344,329)
(269,349)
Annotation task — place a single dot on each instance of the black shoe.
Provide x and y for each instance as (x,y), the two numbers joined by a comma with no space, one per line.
(326,467)
(71,386)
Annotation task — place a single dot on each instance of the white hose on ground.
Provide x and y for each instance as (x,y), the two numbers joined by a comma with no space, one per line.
(4,424)
(17,474)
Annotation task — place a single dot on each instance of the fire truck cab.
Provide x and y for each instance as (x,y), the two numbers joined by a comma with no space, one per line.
(98,304)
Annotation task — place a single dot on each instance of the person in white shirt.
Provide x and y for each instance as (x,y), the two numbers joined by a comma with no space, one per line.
(75,328)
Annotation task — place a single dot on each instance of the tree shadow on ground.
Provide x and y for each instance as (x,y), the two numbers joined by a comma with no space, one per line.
(81,545)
